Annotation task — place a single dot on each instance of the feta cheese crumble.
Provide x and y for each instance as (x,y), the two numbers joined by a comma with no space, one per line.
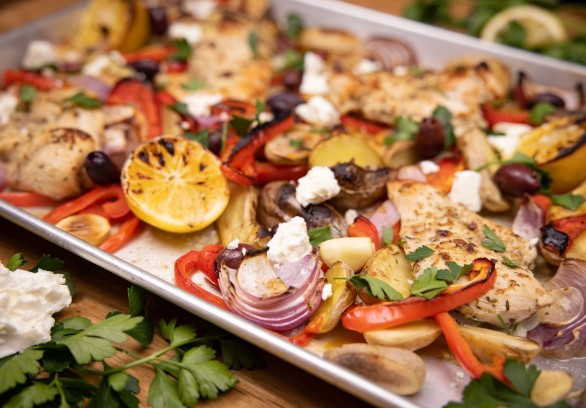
(350,216)
(8,104)
(290,243)
(199,9)
(428,167)
(318,111)
(233,244)
(103,64)
(39,53)
(191,32)
(366,66)
(317,186)
(199,104)
(326,291)
(314,80)
(27,302)
(507,144)
(466,190)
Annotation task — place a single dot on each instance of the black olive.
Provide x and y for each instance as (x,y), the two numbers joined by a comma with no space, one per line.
(516,179)
(430,138)
(292,79)
(215,142)
(158,20)
(553,238)
(147,67)
(100,168)
(284,103)
(547,98)
(232,258)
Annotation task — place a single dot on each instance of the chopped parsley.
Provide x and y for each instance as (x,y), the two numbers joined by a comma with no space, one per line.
(182,50)
(540,111)
(293,26)
(180,108)
(569,201)
(509,262)
(319,234)
(405,129)
(428,284)
(420,253)
(442,114)
(194,84)
(27,94)
(293,60)
(388,235)
(296,143)
(202,137)
(374,287)
(253,42)
(83,101)
(491,240)
(454,272)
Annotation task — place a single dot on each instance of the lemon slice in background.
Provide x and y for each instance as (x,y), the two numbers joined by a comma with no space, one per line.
(541,26)
(175,184)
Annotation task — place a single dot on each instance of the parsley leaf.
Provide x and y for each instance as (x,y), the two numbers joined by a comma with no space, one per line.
(27,93)
(427,284)
(420,253)
(293,26)
(540,111)
(522,378)
(238,354)
(388,235)
(296,143)
(16,261)
(240,124)
(163,391)
(509,262)
(508,328)
(47,263)
(374,287)
(454,272)
(194,84)
(143,332)
(405,129)
(445,117)
(182,50)
(491,240)
(570,201)
(514,35)
(15,368)
(83,101)
(253,42)
(36,394)
(319,234)
(177,335)
(202,137)
(180,108)
(293,60)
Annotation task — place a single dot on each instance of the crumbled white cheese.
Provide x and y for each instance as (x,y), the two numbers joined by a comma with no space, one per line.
(199,104)
(317,186)
(534,241)
(366,66)
(8,104)
(39,53)
(507,144)
(326,291)
(27,302)
(191,32)
(290,243)
(97,66)
(400,70)
(318,111)
(315,79)
(466,190)
(350,216)
(115,140)
(199,9)
(263,117)
(233,244)
(428,167)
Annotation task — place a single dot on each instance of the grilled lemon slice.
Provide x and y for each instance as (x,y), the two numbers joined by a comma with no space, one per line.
(175,184)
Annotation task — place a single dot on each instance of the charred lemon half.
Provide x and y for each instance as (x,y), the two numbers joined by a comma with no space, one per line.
(559,147)
(175,184)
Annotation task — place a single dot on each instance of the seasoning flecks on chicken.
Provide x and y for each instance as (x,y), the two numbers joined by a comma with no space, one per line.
(456,234)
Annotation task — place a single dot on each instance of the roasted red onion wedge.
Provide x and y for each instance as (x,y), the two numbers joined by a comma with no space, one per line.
(277,298)
(528,93)
(385,215)
(389,52)
(412,172)
(529,220)
(564,336)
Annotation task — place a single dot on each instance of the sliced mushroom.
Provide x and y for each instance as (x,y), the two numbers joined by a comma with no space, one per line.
(486,343)
(401,371)
(293,147)
(359,187)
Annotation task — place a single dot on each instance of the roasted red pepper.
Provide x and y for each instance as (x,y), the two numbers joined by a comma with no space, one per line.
(354,122)
(234,107)
(383,315)
(207,261)
(494,116)
(461,350)
(185,267)
(143,97)
(27,199)
(362,227)
(40,82)
(124,235)
(240,166)
(543,202)
(267,172)
(111,198)
(443,179)
(157,53)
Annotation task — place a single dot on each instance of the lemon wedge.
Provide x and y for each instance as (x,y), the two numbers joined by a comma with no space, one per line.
(175,184)
(542,27)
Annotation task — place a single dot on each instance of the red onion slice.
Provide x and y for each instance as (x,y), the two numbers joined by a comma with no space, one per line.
(386,215)
(92,84)
(412,173)
(529,220)
(389,52)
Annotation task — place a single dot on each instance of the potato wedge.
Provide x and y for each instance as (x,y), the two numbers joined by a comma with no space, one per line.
(409,336)
(485,343)
(551,387)
(400,153)
(354,252)
(389,264)
(399,370)
(330,311)
(557,211)
(344,149)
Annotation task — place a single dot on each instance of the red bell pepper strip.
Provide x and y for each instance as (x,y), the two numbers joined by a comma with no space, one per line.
(389,314)
(461,350)
(362,227)
(185,267)
(124,235)
(267,172)
(573,227)
(143,97)
(207,261)
(111,197)
(443,179)
(158,53)
(40,82)
(234,107)
(25,199)
(354,122)
(494,116)
(543,202)
(240,165)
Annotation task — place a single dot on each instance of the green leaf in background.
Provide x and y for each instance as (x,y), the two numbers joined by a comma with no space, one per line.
(540,111)
(27,93)
(442,114)
(182,50)
(14,369)
(405,129)
(293,26)
(202,137)
(514,35)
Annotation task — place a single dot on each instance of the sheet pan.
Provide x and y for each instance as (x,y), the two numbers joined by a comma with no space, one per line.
(154,272)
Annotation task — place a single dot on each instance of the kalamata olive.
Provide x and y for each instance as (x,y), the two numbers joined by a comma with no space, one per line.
(147,67)
(232,258)
(292,79)
(430,138)
(158,20)
(516,179)
(283,104)
(555,100)
(215,142)
(100,168)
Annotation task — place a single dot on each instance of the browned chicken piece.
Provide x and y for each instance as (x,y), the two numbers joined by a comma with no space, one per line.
(456,234)
(51,162)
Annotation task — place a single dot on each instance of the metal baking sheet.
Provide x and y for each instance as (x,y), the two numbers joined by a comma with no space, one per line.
(154,271)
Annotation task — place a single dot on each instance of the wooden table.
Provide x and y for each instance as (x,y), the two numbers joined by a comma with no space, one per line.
(279,384)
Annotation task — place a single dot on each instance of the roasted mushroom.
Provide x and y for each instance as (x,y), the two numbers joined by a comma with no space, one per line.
(359,187)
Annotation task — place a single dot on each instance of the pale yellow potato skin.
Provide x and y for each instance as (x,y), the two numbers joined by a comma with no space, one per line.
(409,336)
